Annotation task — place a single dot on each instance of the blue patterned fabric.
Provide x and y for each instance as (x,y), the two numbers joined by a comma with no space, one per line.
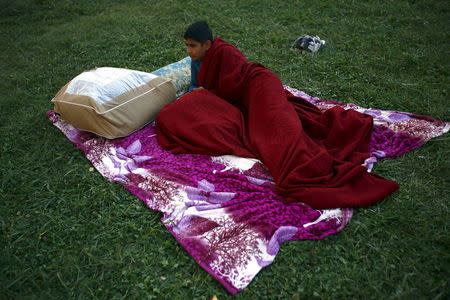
(180,74)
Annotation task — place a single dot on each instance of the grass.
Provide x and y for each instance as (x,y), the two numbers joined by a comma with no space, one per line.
(66,232)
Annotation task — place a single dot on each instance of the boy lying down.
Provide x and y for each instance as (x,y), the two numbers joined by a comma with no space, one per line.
(241,108)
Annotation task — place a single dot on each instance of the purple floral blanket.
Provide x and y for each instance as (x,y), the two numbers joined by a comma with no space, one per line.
(223,210)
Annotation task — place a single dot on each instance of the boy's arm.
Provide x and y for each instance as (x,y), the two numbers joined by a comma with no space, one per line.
(223,71)
(195,68)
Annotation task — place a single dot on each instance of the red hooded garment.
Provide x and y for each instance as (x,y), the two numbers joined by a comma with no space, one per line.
(243,110)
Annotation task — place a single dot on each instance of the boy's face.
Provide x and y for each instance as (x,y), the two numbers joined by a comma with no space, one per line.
(197,50)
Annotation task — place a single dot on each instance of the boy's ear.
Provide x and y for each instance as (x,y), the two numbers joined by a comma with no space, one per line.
(208,44)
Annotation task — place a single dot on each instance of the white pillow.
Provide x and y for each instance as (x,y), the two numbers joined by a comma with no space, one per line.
(113,102)
(104,84)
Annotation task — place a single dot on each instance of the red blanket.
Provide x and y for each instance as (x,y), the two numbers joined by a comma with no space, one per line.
(244,110)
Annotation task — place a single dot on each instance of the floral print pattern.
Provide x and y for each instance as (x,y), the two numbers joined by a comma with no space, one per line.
(224,210)
(180,74)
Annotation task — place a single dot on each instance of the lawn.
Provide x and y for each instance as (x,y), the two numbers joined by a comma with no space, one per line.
(66,232)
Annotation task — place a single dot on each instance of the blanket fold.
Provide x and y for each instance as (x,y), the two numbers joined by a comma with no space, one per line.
(314,157)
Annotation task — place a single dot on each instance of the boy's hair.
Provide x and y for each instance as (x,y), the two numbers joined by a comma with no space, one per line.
(199,31)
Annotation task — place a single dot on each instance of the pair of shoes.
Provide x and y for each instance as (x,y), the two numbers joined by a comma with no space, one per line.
(308,44)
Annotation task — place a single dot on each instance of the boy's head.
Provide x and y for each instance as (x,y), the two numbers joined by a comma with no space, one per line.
(198,39)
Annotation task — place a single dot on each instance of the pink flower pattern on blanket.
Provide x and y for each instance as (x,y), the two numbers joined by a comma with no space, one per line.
(223,210)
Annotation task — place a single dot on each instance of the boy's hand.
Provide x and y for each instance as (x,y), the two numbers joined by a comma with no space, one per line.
(198,88)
